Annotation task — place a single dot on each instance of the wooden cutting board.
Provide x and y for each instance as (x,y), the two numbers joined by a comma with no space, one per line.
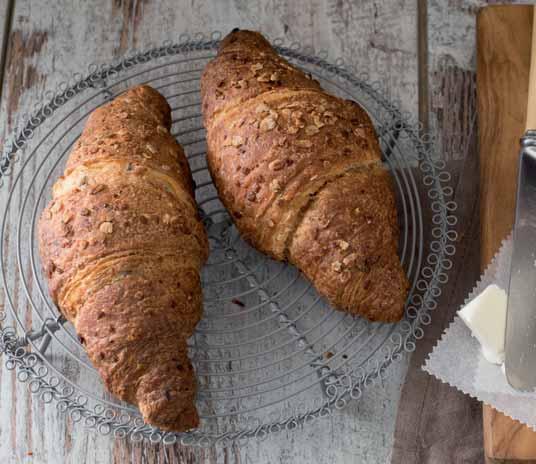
(503,47)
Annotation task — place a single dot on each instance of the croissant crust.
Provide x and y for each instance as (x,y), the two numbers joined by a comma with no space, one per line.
(300,172)
(122,246)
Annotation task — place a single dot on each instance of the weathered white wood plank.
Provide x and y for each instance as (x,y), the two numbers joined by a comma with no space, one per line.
(51,40)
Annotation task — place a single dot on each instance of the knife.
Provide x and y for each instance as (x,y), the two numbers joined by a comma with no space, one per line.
(520,335)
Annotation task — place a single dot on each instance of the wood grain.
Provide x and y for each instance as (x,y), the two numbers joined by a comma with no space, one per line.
(503,59)
(531,99)
(504,38)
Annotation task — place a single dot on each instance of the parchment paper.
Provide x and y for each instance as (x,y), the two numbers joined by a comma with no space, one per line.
(458,361)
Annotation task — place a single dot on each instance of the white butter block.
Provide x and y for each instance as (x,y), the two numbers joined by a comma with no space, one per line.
(486,317)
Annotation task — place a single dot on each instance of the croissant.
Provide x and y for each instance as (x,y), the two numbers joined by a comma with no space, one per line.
(122,245)
(300,172)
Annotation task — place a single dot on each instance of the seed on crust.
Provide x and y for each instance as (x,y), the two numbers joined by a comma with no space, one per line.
(106,227)
(350,259)
(161,130)
(276,165)
(264,78)
(345,276)
(168,219)
(257,67)
(267,124)
(342,244)
(336,266)
(311,130)
(293,129)
(275,186)
(360,132)
(56,207)
(237,141)
(261,108)
(97,189)
(303,143)
(151,148)
(317,121)
(67,217)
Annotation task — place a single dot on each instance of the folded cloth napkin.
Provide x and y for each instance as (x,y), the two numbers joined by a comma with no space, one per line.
(458,361)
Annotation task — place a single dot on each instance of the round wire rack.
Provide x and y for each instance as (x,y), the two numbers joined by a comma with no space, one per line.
(269,354)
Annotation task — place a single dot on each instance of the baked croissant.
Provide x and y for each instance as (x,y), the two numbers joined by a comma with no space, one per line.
(300,172)
(122,245)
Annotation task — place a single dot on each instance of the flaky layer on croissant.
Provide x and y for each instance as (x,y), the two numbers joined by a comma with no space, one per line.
(300,172)
(122,245)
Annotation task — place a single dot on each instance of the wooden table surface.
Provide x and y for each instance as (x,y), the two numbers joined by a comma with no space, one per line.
(423,54)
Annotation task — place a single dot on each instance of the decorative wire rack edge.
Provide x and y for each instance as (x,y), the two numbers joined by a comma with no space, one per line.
(348,386)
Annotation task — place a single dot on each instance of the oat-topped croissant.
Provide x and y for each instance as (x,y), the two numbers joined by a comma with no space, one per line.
(122,246)
(300,172)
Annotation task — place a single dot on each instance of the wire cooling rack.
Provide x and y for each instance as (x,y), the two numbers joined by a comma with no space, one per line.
(269,354)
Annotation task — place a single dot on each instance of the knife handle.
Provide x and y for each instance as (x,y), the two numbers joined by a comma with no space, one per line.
(531,101)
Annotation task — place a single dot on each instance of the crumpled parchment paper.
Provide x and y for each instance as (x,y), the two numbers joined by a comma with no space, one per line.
(458,361)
